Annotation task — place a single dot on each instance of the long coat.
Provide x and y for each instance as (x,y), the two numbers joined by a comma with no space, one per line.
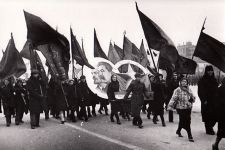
(35,87)
(159,97)
(72,96)
(21,101)
(115,104)
(221,112)
(207,90)
(61,97)
(84,94)
(8,99)
(137,99)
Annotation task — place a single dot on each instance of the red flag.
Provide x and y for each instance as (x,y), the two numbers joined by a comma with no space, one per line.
(211,50)
(119,51)
(11,63)
(53,45)
(98,52)
(77,52)
(157,39)
(185,66)
(112,54)
(144,58)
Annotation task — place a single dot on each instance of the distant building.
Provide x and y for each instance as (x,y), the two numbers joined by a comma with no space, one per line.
(187,51)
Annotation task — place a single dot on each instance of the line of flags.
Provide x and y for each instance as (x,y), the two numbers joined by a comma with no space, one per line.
(56,49)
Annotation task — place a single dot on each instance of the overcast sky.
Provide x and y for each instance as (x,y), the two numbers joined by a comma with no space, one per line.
(180,19)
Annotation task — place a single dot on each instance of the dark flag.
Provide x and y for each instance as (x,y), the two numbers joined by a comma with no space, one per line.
(130,52)
(112,54)
(185,65)
(157,39)
(77,52)
(119,51)
(211,50)
(35,61)
(53,45)
(98,52)
(11,63)
(144,58)
(25,52)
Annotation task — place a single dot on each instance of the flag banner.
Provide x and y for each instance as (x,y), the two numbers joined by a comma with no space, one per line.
(185,66)
(77,53)
(119,51)
(157,39)
(144,58)
(98,52)
(51,43)
(210,50)
(128,49)
(112,54)
(12,63)
(25,52)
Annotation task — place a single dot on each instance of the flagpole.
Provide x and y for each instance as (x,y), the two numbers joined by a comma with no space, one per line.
(199,35)
(153,59)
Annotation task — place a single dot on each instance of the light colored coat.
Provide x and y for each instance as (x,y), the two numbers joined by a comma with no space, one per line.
(180,99)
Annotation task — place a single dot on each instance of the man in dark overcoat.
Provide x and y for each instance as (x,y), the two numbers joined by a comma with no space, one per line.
(21,101)
(137,99)
(83,94)
(35,89)
(8,101)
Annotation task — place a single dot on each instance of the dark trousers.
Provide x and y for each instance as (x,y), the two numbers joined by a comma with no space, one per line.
(83,112)
(103,106)
(116,115)
(19,114)
(170,116)
(137,120)
(161,117)
(34,119)
(8,111)
(184,121)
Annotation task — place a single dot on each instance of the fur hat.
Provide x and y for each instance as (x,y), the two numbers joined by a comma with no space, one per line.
(82,77)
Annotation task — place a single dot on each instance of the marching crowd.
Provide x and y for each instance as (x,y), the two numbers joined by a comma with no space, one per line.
(73,99)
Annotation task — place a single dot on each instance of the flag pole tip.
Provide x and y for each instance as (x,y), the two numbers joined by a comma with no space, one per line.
(136,5)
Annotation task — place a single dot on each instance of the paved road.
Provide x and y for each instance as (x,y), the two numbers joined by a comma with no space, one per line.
(99,133)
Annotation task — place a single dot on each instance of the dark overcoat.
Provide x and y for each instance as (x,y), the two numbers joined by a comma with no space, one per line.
(221,112)
(115,104)
(159,97)
(207,91)
(72,96)
(137,99)
(61,96)
(35,87)
(8,99)
(21,101)
(84,94)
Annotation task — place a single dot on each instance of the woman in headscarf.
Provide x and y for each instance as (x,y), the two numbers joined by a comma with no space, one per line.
(207,88)
(115,106)
(182,100)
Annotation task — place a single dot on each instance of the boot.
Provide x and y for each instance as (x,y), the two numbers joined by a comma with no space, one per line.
(111,118)
(118,122)
(179,134)
(106,112)
(94,113)
(89,112)
(215,147)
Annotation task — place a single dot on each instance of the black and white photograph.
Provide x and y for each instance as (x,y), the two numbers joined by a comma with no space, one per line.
(112,74)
